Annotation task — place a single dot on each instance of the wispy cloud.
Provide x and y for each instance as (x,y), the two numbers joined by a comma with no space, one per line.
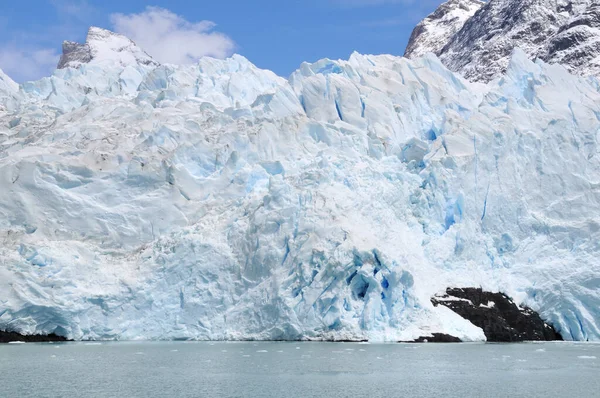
(24,63)
(170,38)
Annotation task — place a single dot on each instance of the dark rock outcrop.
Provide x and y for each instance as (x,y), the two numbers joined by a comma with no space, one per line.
(436,338)
(499,317)
(7,337)
(74,51)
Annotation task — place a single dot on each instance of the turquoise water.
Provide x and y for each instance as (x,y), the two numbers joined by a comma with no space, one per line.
(299,370)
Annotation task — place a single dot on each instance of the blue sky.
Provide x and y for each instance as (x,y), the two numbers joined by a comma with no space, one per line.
(273,34)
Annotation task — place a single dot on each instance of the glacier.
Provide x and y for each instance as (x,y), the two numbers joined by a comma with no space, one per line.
(220,201)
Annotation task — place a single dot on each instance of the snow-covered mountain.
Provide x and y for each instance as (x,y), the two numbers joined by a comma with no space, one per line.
(432,33)
(556,31)
(105,46)
(220,201)
(577,43)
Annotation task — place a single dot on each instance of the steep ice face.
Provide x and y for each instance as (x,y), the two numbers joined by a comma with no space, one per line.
(103,46)
(378,94)
(432,33)
(556,31)
(219,201)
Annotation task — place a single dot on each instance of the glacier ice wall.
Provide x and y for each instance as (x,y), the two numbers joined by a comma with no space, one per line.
(220,201)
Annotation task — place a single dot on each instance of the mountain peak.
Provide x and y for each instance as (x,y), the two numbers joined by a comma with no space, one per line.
(102,45)
(432,33)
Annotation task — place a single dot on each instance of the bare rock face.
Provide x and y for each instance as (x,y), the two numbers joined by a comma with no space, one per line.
(432,33)
(74,54)
(103,45)
(555,31)
(499,317)
(8,337)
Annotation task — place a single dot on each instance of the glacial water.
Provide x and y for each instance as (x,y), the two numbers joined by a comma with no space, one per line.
(184,369)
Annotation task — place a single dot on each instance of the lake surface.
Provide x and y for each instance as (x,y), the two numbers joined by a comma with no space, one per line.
(183,369)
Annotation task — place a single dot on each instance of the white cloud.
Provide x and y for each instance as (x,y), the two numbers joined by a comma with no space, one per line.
(29,54)
(170,38)
(27,63)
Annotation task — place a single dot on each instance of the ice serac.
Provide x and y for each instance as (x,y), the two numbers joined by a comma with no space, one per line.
(432,33)
(103,46)
(7,85)
(8,93)
(556,31)
(220,201)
